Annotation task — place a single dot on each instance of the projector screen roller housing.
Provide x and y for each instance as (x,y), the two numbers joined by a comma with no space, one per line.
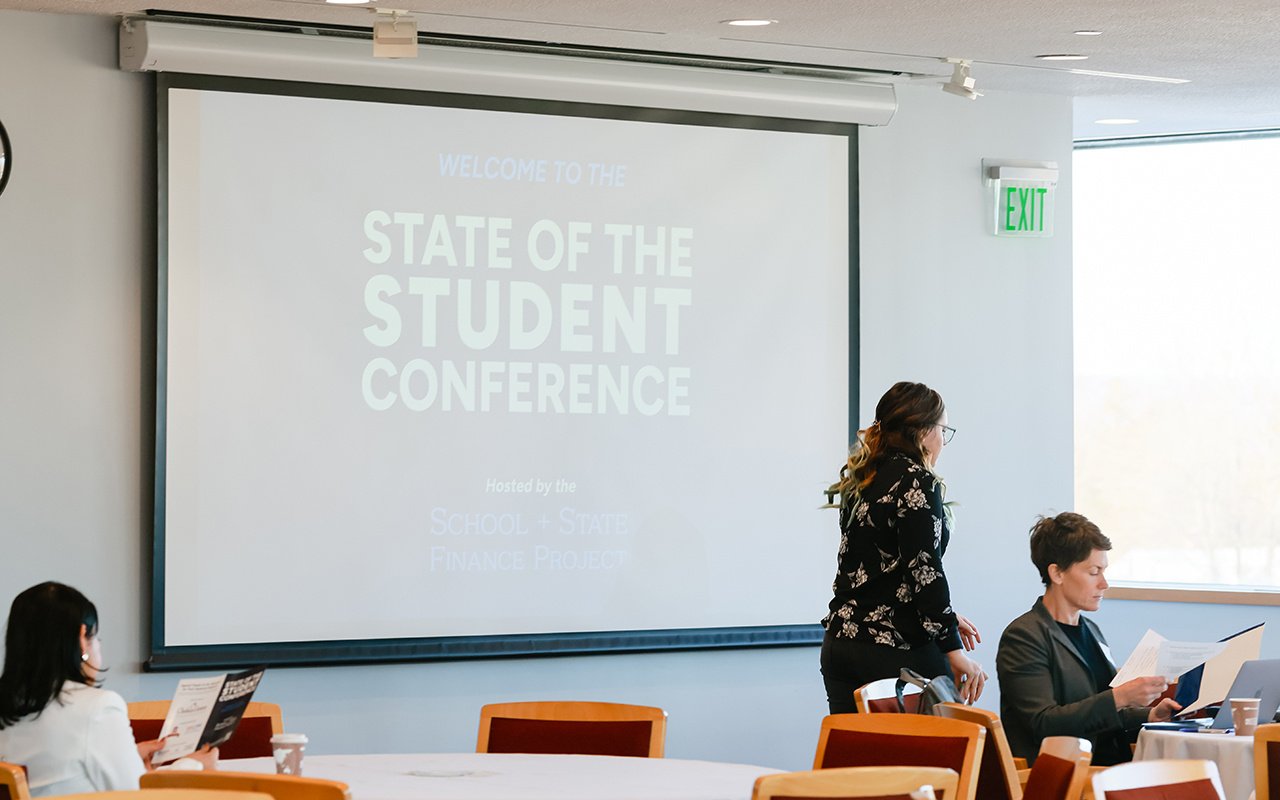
(451,376)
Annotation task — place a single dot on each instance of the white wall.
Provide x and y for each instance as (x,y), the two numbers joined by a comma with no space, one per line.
(986,321)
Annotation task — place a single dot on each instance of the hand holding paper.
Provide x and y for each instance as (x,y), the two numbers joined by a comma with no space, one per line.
(1139,691)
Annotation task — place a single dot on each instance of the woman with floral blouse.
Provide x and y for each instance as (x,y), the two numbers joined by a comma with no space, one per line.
(892,607)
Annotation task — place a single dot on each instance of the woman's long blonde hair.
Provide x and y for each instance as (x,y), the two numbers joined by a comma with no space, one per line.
(904,416)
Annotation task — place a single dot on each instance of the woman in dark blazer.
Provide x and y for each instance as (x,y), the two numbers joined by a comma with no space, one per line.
(1053,663)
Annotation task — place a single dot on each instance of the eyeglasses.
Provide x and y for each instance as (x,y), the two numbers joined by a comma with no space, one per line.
(947,433)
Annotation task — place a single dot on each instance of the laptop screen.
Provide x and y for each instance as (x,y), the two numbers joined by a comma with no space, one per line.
(1259,679)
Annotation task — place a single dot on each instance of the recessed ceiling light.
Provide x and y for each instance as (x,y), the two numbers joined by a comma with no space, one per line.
(748,23)
(1115,121)
(1087,33)
(1062,57)
(348,2)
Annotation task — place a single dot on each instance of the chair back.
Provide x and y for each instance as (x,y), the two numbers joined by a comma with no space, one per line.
(1266,762)
(277,787)
(1161,779)
(572,727)
(855,783)
(252,738)
(997,775)
(163,794)
(13,782)
(881,697)
(903,740)
(1061,771)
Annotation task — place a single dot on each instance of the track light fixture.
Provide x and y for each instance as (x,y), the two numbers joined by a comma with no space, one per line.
(396,37)
(961,83)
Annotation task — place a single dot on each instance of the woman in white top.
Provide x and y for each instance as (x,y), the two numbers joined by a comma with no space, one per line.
(70,735)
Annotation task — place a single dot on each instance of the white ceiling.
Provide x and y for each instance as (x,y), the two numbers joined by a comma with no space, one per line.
(1225,50)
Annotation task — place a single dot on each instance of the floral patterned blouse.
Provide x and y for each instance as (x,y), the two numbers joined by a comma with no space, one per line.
(889,586)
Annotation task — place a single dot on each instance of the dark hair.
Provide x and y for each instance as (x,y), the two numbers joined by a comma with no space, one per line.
(42,648)
(903,417)
(1064,540)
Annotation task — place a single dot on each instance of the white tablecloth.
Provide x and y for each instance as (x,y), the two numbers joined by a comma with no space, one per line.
(501,776)
(1233,755)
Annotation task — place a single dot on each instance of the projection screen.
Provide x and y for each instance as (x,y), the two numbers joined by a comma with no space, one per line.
(449,376)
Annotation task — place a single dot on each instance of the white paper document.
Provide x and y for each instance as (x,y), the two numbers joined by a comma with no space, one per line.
(188,714)
(1156,655)
(205,711)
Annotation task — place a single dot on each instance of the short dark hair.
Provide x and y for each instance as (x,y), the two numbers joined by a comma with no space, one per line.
(42,648)
(1066,539)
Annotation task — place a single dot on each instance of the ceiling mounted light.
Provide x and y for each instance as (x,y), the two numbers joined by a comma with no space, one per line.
(1062,57)
(1115,121)
(748,23)
(1087,33)
(348,2)
(961,83)
(396,37)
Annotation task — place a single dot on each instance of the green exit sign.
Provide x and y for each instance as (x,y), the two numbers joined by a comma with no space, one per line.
(1021,197)
(1025,211)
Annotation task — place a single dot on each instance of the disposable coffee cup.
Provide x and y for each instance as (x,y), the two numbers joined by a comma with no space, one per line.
(1244,715)
(287,748)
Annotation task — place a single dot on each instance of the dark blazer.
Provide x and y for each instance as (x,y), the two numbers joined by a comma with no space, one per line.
(1046,689)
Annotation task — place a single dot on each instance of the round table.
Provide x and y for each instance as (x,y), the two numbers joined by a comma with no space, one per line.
(507,776)
(1233,755)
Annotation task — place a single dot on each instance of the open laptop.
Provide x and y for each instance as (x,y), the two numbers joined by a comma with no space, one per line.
(1259,679)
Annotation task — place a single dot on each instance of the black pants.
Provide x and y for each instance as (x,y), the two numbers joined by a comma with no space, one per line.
(848,664)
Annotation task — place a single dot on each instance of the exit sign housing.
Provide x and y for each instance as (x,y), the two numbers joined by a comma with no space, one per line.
(1021,197)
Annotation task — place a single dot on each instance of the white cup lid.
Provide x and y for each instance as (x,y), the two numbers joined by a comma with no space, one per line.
(289,738)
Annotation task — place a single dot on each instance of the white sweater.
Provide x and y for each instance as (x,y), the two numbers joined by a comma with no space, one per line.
(81,744)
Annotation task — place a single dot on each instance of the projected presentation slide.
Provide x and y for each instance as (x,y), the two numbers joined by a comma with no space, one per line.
(444,371)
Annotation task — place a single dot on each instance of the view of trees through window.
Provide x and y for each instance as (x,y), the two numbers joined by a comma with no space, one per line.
(1177,357)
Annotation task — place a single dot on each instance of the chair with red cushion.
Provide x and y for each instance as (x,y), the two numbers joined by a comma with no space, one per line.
(252,738)
(903,740)
(13,782)
(572,727)
(881,697)
(997,773)
(279,787)
(1061,770)
(858,783)
(1266,762)
(165,794)
(1162,779)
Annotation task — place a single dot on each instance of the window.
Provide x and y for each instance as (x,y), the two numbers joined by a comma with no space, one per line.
(1177,359)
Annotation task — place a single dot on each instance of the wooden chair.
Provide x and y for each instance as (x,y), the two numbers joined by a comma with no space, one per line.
(880,697)
(164,794)
(1266,762)
(997,772)
(903,740)
(13,782)
(572,727)
(1061,771)
(851,783)
(1161,779)
(252,738)
(279,787)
